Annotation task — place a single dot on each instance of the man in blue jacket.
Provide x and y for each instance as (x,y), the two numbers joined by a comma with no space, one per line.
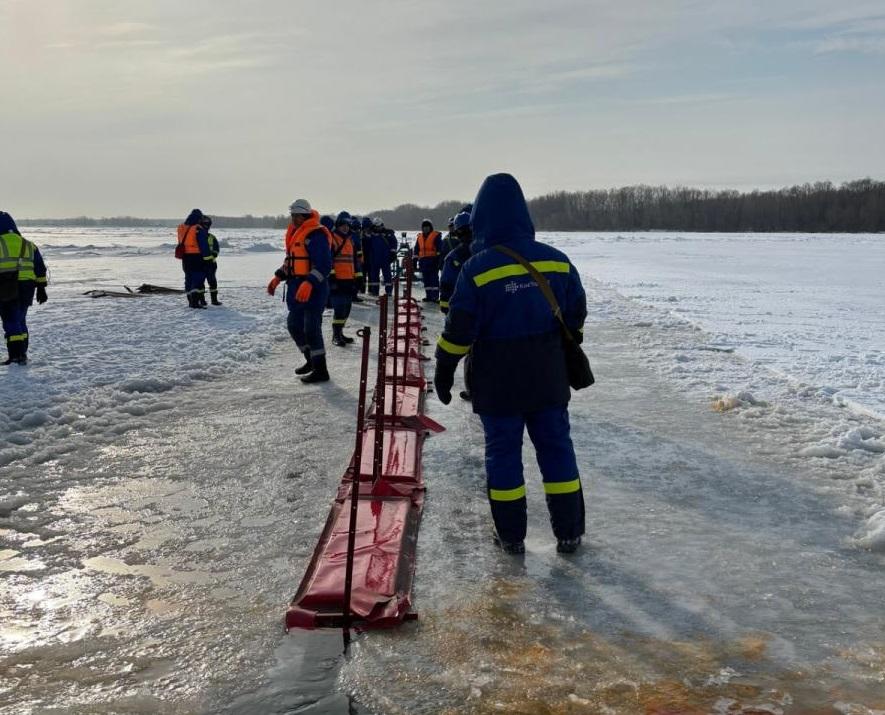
(379,250)
(22,275)
(518,377)
(306,272)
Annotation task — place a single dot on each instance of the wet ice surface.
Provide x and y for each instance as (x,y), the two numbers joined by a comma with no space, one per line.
(152,532)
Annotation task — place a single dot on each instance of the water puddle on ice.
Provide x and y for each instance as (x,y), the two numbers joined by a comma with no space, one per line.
(489,656)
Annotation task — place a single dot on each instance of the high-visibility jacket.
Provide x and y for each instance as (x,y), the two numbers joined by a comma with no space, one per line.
(20,255)
(342,257)
(428,246)
(189,237)
(214,249)
(305,256)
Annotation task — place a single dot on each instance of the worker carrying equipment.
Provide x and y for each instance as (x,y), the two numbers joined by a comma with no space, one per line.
(518,377)
(342,278)
(428,245)
(307,266)
(193,250)
(211,262)
(22,275)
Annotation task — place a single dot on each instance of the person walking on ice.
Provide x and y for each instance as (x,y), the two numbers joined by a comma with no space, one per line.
(22,275)
(518,377)
(305,272)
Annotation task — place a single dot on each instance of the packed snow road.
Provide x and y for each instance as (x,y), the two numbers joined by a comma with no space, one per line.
(161,492)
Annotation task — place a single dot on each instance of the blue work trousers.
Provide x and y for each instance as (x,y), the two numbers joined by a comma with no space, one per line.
(194,274)
(429,268)
(549,431)
(305,321)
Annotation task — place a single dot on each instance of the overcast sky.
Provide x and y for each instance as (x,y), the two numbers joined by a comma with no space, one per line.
(151,107)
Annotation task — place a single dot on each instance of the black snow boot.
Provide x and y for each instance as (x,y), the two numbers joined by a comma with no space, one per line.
(307,367)
(510,547)
(338,337)
(464,395)
(568,546)
(214,295)
(201,299)
(15,353)
(319,374)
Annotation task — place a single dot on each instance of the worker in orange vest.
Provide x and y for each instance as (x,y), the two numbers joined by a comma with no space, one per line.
(193,250)
(428,245)
(344,270)
(305,271)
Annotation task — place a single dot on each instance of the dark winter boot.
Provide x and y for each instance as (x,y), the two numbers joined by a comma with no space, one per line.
(214,295)
(319,374)
(338,337)
(568,546)
(510,547)
(201,299)
(14,350)
(464,395)
(346,338)
(307,367)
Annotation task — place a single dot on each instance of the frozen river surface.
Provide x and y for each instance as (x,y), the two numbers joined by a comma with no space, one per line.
(163,480)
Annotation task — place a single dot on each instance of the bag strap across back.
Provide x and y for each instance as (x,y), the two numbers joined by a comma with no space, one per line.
(542,282)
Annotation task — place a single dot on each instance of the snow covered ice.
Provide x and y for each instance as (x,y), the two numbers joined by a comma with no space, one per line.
(163,480)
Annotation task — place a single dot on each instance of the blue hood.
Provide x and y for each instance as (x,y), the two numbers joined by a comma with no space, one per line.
(194,217)
(500,214)
(7,224)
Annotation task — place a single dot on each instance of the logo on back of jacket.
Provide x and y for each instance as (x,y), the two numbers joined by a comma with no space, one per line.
(516,286)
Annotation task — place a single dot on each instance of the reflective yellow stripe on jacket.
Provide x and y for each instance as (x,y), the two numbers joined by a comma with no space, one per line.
(10,260)
(515,269)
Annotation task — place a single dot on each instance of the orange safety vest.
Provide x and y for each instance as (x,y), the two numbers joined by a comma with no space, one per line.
(297,257)
(342,257)
(187,237)
(427,244)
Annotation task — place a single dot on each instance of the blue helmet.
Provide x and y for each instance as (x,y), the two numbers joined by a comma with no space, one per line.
(327,221)
(355,223)
(367,223)
(466,209)
(342,217)
(462,220)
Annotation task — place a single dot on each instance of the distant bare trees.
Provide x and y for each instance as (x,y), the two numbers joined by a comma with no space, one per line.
(856,206)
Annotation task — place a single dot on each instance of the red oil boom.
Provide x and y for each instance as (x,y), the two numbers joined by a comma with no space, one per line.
(363,565)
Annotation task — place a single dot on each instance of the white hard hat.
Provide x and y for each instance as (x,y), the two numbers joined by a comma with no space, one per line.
(300,206)
(377,222)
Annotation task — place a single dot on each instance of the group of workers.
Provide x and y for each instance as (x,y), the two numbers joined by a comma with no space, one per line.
(198,250)
(497,316)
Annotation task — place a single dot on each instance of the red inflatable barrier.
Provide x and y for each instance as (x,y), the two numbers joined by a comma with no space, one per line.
(364,563)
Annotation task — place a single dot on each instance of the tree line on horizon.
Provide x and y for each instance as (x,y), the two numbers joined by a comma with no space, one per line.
(821,207)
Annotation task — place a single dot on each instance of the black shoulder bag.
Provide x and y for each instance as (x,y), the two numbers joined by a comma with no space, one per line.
(576,363)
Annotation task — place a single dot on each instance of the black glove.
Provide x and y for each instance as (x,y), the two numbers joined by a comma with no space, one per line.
(443,381)
(41,295)
(281,274)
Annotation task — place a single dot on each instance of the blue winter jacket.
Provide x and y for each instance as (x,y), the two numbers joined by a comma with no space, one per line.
(499,315)
(455,260)
(378,247)
(193,219)
(320,254)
